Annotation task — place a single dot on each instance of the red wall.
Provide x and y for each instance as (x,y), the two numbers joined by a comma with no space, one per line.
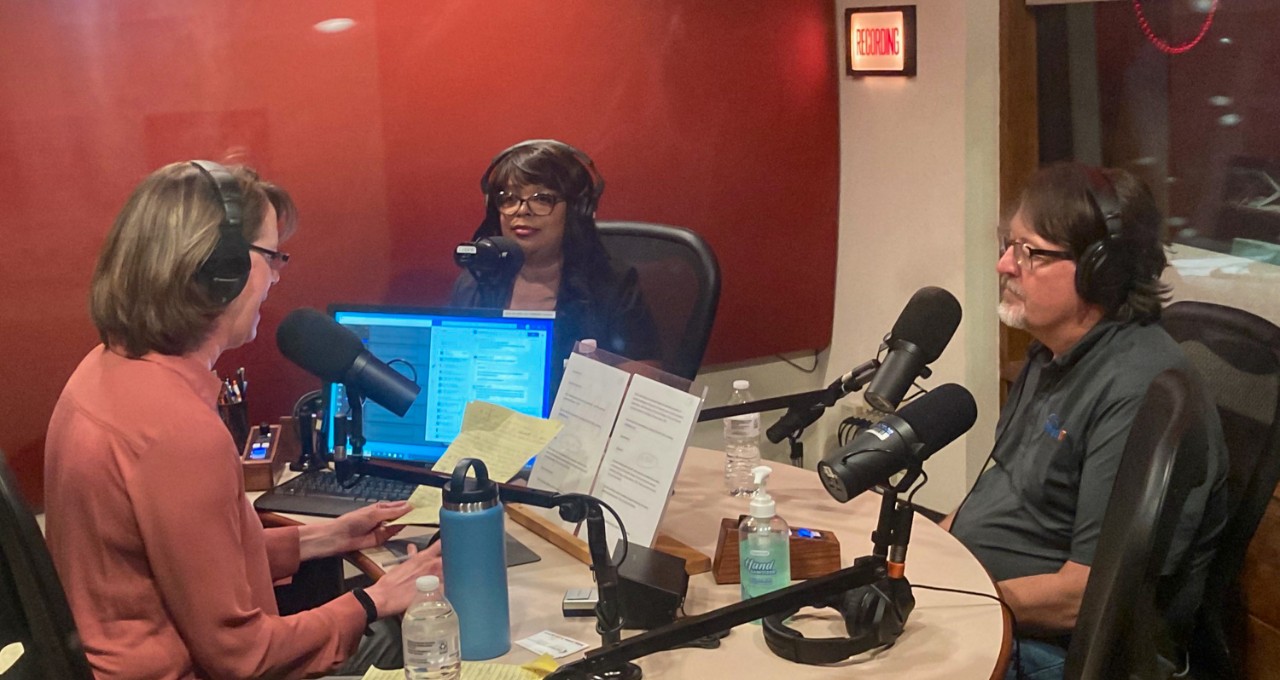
(715,116)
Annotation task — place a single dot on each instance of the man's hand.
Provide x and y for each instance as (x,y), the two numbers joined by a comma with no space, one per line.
(356,530)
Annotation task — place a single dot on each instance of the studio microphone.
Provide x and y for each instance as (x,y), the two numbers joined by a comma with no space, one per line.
(902,440)
(922,331)
(797,419)
(324,348)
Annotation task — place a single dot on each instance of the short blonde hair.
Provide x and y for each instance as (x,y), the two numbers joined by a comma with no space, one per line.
(144,296)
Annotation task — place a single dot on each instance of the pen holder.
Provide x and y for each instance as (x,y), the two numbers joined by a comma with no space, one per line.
(236,417)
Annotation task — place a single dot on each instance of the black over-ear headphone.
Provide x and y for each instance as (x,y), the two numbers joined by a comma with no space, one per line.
(584,204)
(1102,275)
(874,616)
(226,271)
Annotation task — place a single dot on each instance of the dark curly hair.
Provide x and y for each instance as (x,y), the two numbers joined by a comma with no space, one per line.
(556,166)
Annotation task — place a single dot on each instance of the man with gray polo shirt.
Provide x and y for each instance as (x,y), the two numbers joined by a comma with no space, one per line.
(1079,270)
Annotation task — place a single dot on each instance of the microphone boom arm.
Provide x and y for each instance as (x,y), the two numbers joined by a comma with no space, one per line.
(803,408)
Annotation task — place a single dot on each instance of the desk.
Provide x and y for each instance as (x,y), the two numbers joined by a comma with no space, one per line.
(947,636)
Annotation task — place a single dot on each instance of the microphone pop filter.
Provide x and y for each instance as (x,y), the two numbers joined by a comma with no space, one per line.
(318,344)
(940,416)
(928,321)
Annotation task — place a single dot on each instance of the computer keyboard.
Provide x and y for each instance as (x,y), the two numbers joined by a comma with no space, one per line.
(319,493)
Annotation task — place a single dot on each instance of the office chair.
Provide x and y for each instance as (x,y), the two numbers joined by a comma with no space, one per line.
(1237,355)
(680,280)
(1119,622)
(33,606)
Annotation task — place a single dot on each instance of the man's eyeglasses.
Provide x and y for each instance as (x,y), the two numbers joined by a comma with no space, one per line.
(1025,256)
(275,259)
(539,204)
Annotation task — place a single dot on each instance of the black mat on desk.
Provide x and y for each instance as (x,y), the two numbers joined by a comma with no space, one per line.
(517,552)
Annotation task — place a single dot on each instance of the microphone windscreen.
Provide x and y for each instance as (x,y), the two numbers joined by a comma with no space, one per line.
(940,416)
(509,250)
(928,321)
(318,344)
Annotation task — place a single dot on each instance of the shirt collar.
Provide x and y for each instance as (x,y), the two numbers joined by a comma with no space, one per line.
(203,381)
(1073,355)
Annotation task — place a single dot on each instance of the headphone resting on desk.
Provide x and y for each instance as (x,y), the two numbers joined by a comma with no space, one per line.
(874,616)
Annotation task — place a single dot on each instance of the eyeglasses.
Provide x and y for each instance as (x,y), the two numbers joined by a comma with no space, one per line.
(539,204)
(275,259)
(1024,255)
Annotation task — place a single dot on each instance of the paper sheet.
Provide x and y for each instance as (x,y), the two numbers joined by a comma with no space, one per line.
(502,438)
(587,404)
(482,670)
(644,456)
(13,651)
(426,502)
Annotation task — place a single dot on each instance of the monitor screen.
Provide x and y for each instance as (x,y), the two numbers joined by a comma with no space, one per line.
(455,356)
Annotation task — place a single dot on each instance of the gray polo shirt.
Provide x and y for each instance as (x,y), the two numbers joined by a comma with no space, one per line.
(1058,446)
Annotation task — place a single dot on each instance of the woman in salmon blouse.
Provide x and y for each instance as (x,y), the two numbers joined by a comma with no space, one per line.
(166,565)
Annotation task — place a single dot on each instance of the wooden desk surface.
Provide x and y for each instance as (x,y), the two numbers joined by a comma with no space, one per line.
(948,635)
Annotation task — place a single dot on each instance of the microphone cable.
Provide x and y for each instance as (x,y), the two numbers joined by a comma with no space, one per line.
(1013,620)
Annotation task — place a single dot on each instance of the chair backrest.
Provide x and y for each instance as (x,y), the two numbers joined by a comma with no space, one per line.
(1237,355)
(33,607)
(680,280)
(1119,622)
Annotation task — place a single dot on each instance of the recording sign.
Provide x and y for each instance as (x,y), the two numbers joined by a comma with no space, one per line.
(882,41)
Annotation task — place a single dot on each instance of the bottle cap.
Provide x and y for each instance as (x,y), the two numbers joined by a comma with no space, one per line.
(741,384)
(428,583)
(762,504)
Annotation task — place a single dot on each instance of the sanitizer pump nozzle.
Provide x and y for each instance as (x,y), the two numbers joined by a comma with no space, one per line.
(762,504)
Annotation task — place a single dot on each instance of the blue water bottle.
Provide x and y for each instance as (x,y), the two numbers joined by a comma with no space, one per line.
(474,550)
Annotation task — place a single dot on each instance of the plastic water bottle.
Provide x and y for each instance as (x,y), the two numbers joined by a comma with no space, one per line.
(741,443)
(430,634)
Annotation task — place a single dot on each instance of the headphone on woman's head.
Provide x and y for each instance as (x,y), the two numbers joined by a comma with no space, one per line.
(224,273)
(874,616)
(1103,272)
(585,205)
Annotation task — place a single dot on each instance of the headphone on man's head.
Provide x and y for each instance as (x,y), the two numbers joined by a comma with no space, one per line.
(1102,275)
(874,616)
(224,273)
(584,204)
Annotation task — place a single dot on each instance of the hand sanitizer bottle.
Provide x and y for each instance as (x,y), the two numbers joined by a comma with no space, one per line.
(764,543)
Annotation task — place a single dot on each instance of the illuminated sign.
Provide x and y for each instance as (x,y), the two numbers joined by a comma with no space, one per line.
(882,41)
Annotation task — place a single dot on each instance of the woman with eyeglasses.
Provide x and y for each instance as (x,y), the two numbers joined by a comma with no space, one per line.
(165,564)
(543,195)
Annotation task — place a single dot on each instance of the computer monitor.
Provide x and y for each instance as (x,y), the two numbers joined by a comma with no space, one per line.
(455,356)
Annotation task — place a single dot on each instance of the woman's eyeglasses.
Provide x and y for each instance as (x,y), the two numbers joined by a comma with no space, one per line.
(275,259)
(539,204)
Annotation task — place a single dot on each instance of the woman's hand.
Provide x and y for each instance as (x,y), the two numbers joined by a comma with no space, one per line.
(356,530)
(392,593)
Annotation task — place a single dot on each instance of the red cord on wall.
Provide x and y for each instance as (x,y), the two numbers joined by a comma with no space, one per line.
(1160,42)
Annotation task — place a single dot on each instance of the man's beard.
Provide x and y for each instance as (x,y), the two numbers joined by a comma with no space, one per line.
(1012,314)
